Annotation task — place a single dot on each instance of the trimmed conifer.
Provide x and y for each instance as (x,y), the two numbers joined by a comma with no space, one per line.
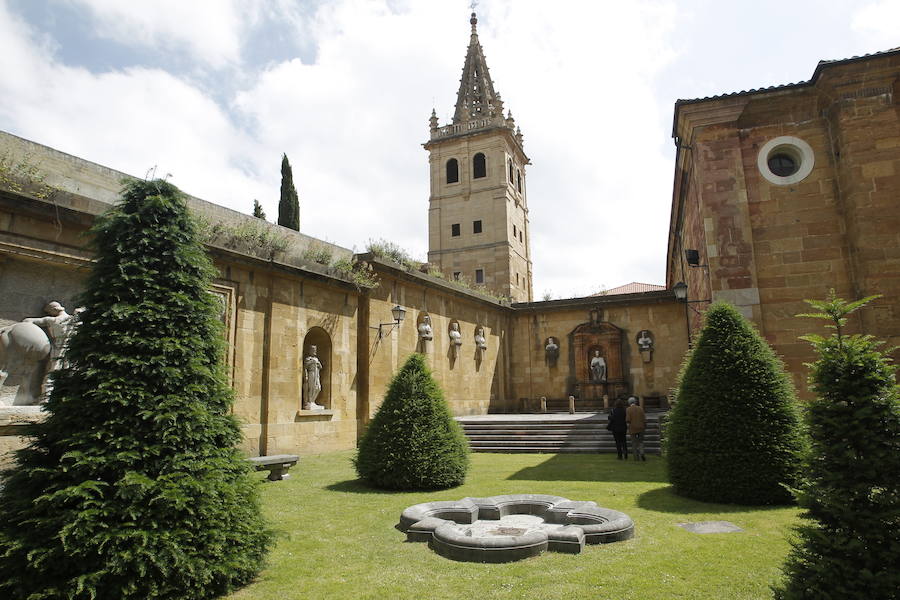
(258,211)
(132,488)
(735,434)
(413,442)
(849,545)
(289,205)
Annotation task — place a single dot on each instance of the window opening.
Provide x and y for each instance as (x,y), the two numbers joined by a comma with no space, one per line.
(452,171)
(479,166)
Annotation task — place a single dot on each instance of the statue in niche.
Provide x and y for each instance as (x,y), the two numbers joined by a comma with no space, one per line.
(552,350)
(644,341)
(480,342)
(598,368)
(312,383)
(425,332)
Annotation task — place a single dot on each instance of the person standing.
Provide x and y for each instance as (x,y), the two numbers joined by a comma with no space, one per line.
(619,427)
(637,423)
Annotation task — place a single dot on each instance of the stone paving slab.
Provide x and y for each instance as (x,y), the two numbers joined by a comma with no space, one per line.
(710,527)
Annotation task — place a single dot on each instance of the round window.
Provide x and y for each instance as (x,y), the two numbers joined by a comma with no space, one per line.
(785,160)
(783,164)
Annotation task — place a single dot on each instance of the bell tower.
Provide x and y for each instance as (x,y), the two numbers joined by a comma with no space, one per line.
(478,214)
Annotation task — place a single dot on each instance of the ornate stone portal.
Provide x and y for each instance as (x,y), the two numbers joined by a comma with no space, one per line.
(597,347)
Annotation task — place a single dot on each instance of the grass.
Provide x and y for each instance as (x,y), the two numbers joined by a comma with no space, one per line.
(336,537)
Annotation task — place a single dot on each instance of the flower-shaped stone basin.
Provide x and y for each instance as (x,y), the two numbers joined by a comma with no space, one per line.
(512,527)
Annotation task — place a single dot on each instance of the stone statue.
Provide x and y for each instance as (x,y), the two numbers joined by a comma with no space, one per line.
(425,332)
(455,336)
(645,342)
(312,383)
(24,349)
(59,326)
(598,368)
(480,342)
(552,350)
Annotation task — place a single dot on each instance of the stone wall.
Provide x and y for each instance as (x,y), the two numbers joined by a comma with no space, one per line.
(771,243)
(473,382)
(533,375)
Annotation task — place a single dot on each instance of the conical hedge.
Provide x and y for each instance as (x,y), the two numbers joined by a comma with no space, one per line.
(413,443)
(132,487)
(848,545)
(735,434)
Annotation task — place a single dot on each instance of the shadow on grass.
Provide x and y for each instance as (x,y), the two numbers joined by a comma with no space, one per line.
(593,467)
(664,499)
(356,486)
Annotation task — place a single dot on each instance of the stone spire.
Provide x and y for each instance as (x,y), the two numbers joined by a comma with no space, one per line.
(476,98)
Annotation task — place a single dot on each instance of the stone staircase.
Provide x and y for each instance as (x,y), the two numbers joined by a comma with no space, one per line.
(550,433)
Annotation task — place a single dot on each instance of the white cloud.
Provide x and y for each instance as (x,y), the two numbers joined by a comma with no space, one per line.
(129,120)
(878,22)
(210,30)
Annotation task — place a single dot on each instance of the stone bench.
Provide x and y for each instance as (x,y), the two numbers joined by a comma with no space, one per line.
(277,465)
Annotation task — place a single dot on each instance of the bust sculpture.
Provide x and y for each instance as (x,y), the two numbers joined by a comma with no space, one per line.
(598,368)
(552,349)
(480,342)
(455,336)
(312,384)
(645,342)
(425,332)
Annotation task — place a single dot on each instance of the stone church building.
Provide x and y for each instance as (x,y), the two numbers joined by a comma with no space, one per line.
(779,195)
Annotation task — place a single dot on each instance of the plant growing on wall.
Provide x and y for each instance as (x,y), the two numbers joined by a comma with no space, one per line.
(289,205)
(413,443)
(849,546)
(132,487)
(258,211)
(735,433)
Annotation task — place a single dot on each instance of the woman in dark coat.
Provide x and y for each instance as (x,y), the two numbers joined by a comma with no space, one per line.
(618,427)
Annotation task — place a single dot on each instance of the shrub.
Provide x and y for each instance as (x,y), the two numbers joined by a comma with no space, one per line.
(390,251)
(849,546)
(132,487)
(735,433)
(413,443)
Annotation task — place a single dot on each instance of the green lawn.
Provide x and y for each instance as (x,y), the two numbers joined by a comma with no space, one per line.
(336,537)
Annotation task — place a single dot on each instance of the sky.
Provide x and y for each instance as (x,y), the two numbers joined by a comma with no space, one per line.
(212,92)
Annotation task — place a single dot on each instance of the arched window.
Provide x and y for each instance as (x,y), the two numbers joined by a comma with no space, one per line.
(452,171)
(510,170)
(479,166)
(519,180)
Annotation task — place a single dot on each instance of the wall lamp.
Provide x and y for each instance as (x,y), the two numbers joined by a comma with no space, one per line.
(681,293)
(398,312)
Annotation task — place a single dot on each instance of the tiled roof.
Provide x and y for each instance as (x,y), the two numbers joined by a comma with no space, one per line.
(632,288)
(816,73)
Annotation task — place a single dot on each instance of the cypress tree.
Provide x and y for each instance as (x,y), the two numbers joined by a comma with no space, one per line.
(735,433)
(289,205)
(258,211)
(849,545)
(132,487)
(413,443)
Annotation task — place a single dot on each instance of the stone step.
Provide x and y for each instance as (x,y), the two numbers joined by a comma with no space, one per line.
(532,433)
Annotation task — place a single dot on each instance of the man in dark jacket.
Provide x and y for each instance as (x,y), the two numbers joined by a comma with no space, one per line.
(619,428)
